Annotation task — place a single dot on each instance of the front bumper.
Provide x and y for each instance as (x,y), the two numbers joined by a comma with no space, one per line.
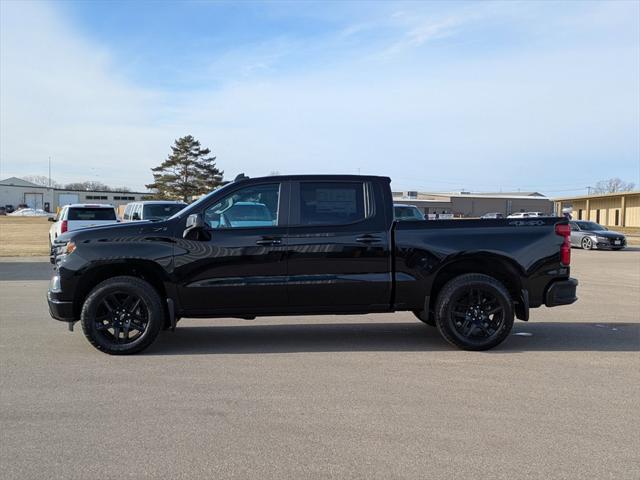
(60,309)
(561,292)
(609,245)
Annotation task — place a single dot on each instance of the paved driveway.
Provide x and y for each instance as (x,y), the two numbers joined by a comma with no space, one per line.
(378,396)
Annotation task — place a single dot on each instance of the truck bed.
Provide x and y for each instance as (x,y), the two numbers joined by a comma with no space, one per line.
(523,251)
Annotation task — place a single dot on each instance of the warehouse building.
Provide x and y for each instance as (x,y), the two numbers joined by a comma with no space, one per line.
(15,191)
(469,205)
(621,209)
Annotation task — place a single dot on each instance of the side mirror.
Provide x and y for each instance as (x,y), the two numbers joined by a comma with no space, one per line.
(136,216)
(194,224)
(51,219)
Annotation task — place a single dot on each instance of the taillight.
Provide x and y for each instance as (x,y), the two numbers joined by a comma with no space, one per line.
(564,230)
(63,226)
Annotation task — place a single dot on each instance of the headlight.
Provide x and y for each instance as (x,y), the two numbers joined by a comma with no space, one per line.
(602,239)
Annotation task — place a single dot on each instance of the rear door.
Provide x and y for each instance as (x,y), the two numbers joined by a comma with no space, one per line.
(339,247)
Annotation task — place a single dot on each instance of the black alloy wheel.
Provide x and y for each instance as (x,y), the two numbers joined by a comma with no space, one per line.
(474,312)
(477,313)
(122,315)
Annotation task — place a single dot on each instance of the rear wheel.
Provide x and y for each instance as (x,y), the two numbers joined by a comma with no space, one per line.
(586,243)
(474,312)
(122,315)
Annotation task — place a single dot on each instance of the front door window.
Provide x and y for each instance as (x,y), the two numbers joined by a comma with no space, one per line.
(251,207)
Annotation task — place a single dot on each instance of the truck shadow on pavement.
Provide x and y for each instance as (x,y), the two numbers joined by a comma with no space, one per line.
(388,337)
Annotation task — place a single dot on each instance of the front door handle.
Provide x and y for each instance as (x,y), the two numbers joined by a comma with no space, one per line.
(368,239)
(266,241)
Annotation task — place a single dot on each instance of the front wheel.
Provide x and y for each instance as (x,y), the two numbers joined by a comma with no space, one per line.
(586,243)
(122,315)
(474,312)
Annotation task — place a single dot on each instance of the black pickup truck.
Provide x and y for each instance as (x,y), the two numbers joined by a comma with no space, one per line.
(308,244)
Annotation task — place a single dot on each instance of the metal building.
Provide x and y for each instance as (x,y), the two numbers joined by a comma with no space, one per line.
(15,191)
(621,209)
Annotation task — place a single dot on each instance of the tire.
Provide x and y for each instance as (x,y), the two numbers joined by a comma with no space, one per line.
(420,315)
(474,312)
(122,315)
(586,243)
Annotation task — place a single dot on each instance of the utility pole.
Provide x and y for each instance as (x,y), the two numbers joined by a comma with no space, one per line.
(588,187)
(49,171)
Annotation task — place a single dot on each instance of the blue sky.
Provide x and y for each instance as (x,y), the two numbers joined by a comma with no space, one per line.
(440,96)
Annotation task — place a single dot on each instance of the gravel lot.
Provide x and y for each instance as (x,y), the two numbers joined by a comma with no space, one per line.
(378,396)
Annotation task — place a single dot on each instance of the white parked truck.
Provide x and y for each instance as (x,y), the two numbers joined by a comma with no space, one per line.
(81,215)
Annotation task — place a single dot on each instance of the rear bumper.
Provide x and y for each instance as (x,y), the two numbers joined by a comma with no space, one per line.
(561,292)
(59,309)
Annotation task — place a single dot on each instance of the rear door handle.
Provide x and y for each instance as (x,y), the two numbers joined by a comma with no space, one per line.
(265,241)
(368,239)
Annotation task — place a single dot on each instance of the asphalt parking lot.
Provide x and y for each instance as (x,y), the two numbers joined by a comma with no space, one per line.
(377,396)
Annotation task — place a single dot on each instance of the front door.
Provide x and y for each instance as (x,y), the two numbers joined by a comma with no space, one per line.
(339,248)
(240,264)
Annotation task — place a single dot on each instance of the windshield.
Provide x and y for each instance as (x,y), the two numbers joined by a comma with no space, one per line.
(161,211)
(590,226)
(91,214)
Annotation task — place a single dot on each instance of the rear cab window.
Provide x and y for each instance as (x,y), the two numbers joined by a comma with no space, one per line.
(332,203)
(91,214)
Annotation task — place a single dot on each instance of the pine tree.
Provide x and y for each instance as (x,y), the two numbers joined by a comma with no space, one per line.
(187,172)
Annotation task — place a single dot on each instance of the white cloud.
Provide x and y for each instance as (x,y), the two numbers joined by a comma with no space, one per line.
(62,97)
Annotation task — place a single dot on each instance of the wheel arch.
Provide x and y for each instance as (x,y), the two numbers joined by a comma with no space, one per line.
(502,268)
(143,269)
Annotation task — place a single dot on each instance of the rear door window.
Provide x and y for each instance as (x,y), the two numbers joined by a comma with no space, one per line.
(331,203)
(90,214)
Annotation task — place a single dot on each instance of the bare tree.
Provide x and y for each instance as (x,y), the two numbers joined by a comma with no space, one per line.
(41,180)
(613,185)
(89,185)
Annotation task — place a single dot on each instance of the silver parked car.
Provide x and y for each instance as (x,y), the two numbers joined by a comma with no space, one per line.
(589,235)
